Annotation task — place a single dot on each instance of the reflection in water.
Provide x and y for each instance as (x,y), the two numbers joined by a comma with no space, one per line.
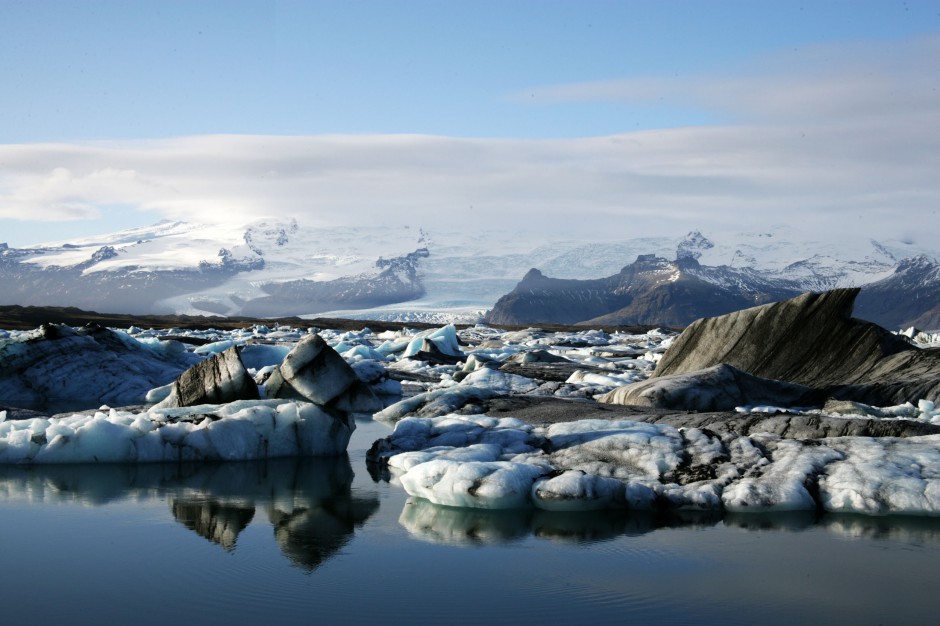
(216,522)
(309,501)
(455,526)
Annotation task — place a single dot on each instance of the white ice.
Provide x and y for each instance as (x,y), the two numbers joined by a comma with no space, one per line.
(485,462)
(238,431)
(444,338)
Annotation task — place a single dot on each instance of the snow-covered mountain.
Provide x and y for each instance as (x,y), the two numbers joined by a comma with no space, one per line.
(398,273)
(677,289)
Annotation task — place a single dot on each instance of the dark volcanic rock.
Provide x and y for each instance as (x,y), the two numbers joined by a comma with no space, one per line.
(718,388)
(219,379)
(811,340)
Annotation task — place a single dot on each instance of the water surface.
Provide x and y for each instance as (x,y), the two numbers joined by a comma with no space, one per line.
(320,541)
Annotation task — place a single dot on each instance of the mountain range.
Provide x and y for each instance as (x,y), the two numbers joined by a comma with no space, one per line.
(655,290)
(399,273)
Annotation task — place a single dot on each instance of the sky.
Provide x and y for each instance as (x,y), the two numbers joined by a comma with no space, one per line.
(554,120)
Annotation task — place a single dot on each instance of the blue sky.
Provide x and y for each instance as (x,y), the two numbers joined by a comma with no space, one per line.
(106,102)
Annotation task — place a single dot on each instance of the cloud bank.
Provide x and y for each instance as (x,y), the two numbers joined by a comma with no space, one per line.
(837,139)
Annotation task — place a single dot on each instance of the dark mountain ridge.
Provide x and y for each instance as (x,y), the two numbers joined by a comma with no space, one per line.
(654,290)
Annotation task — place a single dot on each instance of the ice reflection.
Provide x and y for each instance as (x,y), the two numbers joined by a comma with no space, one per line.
(463,526)
(895,528)
(310,503)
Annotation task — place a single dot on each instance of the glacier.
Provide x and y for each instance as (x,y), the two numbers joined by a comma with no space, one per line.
(221,269)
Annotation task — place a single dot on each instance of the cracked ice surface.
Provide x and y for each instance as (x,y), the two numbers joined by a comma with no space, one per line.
(485,462)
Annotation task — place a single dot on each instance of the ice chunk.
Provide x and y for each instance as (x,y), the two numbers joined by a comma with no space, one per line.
(499,382)
(474,452)
(215,347)
(782,484)
(444,338)
(435,403)
(259,356)
(55,365)
(617,448)
(220,378)
(313,371)
(475,484)
(575,490)
(242,430)
(159,394)
(886,475)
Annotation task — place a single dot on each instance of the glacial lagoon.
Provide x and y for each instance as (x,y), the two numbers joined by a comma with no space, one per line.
(319,540)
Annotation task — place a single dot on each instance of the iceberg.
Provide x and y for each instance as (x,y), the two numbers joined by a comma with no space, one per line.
(238,431)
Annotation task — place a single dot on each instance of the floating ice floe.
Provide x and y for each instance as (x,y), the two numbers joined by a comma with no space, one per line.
(237,431)
(489,463)
(444,338)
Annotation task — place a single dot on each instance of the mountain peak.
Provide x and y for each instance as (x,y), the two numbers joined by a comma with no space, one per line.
(693,245)
(533,274)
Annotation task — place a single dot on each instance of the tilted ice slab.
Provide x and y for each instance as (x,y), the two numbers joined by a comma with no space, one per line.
(490,463)
(238,431)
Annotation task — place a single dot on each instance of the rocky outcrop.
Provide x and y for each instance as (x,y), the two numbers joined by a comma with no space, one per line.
(811,340)
(219,379)
(718,388)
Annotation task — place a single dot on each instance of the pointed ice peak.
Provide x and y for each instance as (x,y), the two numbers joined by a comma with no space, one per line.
(922,268)
(103,254)
(692,246)
(917,262)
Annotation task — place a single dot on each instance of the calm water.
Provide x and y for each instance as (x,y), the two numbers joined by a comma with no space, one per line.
(320,541)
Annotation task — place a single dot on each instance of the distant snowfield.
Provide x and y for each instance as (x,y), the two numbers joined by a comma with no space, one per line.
(466,272)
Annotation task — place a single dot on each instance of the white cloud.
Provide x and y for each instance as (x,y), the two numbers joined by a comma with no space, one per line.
(850,142)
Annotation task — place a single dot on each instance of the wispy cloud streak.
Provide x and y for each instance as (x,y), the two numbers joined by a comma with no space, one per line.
(835,140)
